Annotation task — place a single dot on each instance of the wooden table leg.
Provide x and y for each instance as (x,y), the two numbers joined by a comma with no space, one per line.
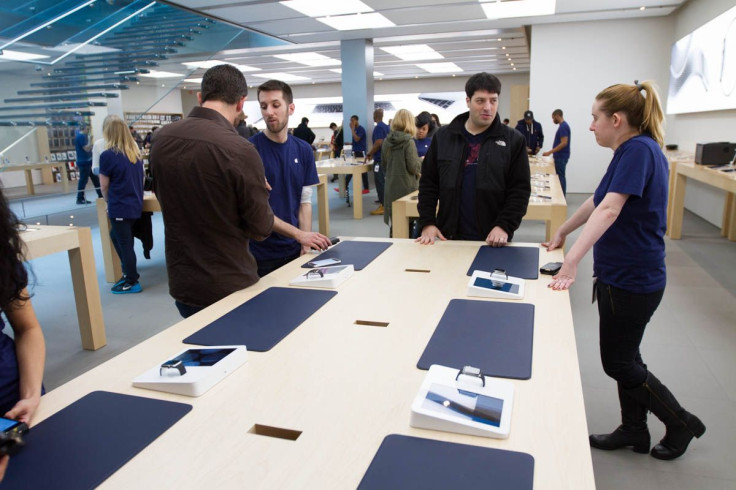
(29,183)
(728,227)
(323,210)
(559,215)
(113,267)
(87,292)
(358,195)
(678,207)
(399,221)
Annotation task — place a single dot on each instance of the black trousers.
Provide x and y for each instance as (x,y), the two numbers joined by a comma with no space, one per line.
(623,317)
(121,232)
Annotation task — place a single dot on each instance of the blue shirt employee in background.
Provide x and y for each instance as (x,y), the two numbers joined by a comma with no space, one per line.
(560,148)
(359,144)
(83,146)
(290,172)
(380,131)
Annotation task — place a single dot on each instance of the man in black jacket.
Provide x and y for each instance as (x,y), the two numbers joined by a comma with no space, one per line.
(303,132)
(478,170)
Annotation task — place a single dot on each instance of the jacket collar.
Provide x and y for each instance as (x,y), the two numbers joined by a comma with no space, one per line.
(458,125)
(212,115)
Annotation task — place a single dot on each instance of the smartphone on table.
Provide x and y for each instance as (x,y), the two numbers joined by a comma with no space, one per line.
(551,268)
(324,262)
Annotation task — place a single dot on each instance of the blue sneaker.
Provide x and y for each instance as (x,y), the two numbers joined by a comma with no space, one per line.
(119,282)
(127,288)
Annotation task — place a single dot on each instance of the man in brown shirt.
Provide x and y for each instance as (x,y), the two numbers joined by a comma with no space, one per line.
(212,189)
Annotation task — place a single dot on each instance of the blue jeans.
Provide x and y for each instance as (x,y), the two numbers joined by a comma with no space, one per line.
(85,174)
(121,233)
(364,176)
(560,169)
(186,310)
(623,318)
(380,178)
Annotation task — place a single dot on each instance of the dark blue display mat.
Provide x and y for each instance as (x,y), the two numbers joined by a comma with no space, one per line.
(424,464)
(83,444)
(355,252)
(520,262)
(494,336)
(264,320)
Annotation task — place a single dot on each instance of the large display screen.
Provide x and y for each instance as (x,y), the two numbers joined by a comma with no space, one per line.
(703,68)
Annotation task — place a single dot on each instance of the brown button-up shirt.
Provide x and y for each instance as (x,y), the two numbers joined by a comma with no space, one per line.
(211,186)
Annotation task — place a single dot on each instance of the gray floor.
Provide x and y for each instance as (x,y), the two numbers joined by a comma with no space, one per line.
(689,344)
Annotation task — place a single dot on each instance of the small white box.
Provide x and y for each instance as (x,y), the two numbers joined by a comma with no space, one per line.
(324,277)
(463,404)
(495,285)
(205,367)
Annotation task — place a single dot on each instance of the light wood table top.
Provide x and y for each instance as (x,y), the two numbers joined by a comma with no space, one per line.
(46,240)
(346,386)
(338,166)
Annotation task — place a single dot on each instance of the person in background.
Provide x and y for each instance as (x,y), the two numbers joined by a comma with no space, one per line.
(83,146)
(304,132)
(149,137)
(625,222)
(359,136)
(532,132)
(241,127)
(380,131)
(401,161)
(99,146)
(22,357)
(121,178)
(137,137)
(506,121)
(477,169)
(561,147)
(333,146)
(291,172)
(425,127)
(436,120)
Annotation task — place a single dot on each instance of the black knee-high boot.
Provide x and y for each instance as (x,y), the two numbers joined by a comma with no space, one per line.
(681,425)
(633,430)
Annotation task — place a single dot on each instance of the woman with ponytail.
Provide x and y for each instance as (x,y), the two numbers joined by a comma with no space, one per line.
(121,179)
(625,222)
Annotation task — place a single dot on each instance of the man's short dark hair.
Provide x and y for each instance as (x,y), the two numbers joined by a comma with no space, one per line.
(333,126)
(224,83)
(482,81)
(557,112)
(276,85)
(354,116)
(305,120)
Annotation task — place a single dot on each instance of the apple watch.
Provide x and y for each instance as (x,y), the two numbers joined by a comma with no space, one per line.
(174,365)
(471,371)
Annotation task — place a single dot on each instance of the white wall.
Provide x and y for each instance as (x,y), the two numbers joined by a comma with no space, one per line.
(688,129)
(572,62)
(152,99)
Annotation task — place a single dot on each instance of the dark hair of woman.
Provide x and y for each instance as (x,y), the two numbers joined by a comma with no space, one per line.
(13,275)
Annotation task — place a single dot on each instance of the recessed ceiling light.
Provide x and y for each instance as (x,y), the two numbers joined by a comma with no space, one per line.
(519,8)
(499,39)
(193,65)
(503,47)
(161,74)
(339,70)
(309,59)
(284,77)
(354,22)
(7,54)
(514,68)
(440,67)
(413,52)
(310,8)
(642,8)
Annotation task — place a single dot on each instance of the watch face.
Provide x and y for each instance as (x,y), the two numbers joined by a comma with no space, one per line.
(471,371)
(171,364)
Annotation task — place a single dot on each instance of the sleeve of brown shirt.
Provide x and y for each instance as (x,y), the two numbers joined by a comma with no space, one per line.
(254,210)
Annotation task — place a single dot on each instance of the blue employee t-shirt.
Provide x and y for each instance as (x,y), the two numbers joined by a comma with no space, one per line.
(563,130)
(423,145)
(359,145)
(379,132)
(125,194)
(630,254)
(80,141)
(468,223)
(9,375)
(289,167)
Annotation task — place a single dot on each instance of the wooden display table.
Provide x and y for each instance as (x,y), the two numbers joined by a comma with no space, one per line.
(113,267)
(30,189)
(345,386)
(680,172)
(338,166)
(552,211)
(46,240)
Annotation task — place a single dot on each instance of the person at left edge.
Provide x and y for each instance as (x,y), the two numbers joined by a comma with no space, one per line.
(121,178)
(83,147)
(290,171)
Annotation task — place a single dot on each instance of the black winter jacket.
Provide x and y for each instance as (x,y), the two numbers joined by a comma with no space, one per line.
(502,179)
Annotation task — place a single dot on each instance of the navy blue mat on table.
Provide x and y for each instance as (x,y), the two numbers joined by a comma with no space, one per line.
(355,252)
(83,444)
(414,463)
(520,262)
(264,320)
(494,336)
